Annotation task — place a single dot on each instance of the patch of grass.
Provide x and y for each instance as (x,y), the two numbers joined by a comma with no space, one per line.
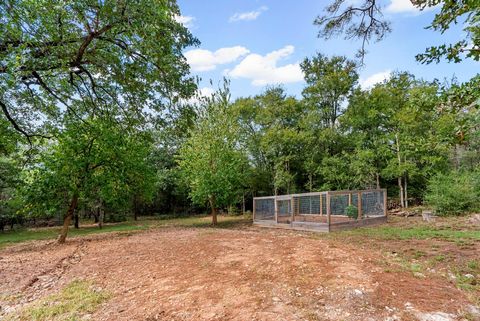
(204,221)
(387,232)
(440,258)
(45,233)
(71,303)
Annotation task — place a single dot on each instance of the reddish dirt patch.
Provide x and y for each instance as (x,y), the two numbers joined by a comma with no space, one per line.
(207,274)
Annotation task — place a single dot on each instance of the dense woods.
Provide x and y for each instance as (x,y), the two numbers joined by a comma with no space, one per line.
(97,123)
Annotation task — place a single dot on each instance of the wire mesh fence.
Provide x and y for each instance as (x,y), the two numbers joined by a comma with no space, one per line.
(264,209)
(373,203)
(327,208)
(284,208)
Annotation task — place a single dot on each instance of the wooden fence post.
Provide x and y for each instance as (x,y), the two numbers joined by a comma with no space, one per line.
(321,204)
(254,207)
(359,207)
(292,207)
(385,202)
(328,210)
(276,209)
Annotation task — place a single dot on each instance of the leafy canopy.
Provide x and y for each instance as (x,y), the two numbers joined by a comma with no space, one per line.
(211,159)
(57,55)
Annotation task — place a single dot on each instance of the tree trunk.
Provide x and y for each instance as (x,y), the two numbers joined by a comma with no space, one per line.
(101,218)
(96,215)
(135,210)
(378,180)
(76,220)
(400,188)
(243,204)
(214,210)
(68,219)
(406,195)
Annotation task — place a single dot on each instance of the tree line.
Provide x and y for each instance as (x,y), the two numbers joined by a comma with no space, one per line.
(98,121)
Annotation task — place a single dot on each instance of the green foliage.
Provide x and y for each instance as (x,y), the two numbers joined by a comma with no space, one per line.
(451,12)
(351,211)
(96,161)
(211,159)
(123,54)
(329,83)
(454,193)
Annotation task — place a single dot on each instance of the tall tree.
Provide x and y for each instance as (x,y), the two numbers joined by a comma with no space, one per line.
(99,160)
(330,81)
(55,56)
(211,159)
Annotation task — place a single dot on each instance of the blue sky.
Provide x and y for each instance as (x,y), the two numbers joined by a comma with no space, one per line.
(257,43)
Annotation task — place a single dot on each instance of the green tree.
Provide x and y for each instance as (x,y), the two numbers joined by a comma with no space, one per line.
(55,56)
(99,159)
(211,159)
(330,83)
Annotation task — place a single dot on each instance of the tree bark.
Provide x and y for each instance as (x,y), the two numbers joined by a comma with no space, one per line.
(68,219)
(96,215)
(214,210)
(406,195)
(400,187)
(101,218)
(378,180)
(243,204)
(76,220)
(135,209)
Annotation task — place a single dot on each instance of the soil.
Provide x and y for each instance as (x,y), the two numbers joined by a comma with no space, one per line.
(227,274)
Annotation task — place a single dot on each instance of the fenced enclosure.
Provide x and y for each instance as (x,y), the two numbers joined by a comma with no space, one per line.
(322,211)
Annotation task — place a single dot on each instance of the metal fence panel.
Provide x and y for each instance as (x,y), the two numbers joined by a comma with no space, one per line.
(265,209)
(373,203)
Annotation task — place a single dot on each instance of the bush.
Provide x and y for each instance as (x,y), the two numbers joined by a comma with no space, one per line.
(351,211)
(454,193)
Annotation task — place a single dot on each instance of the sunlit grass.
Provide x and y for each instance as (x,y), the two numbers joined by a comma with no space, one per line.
(78,298)
(23,235)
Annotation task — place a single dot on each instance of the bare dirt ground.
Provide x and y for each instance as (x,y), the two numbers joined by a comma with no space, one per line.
(227,274)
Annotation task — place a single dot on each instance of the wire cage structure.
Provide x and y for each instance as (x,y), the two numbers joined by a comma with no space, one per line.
(322,211)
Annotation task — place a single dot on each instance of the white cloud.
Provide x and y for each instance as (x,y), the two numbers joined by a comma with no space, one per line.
(205,91)
(263,70)
(201,93)
(251,15)
(205,60)
(404,6)
(379,77)
(187,21)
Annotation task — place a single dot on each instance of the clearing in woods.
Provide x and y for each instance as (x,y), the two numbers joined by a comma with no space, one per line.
(394,272)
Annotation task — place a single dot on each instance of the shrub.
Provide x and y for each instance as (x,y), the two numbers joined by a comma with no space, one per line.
(351,211)
(454,193)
